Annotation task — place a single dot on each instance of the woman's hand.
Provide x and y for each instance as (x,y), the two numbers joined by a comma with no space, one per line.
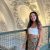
(38,48)
(24,45)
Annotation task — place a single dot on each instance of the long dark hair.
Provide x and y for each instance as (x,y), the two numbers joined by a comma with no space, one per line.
(29,25)
(37,20)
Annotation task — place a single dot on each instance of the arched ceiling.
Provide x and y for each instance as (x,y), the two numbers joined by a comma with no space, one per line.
(6,17)
(14,13)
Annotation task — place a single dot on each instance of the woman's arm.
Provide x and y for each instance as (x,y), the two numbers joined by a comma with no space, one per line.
(40,40)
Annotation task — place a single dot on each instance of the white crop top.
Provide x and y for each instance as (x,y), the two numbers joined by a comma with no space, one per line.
(33,31)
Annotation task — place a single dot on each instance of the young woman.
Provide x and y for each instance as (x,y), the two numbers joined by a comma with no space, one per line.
(34,32)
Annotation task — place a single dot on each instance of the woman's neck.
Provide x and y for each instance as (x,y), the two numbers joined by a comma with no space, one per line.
(33,24)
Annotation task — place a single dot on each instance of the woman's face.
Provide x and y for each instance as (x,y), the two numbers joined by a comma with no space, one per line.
(33,17)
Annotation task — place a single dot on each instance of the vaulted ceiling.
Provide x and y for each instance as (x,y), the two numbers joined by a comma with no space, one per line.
(15,13)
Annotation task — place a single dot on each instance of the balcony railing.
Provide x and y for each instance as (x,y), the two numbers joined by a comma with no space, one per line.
(14,40)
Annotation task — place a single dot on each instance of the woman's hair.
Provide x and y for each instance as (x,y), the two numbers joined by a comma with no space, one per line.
(37,21)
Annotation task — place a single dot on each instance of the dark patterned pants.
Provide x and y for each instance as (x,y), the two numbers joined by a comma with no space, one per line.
(32,44)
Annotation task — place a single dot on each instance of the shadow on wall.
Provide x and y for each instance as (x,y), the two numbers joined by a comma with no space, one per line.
(4,48)
(2,26)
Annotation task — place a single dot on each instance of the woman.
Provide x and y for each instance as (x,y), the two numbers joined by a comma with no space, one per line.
(34,33)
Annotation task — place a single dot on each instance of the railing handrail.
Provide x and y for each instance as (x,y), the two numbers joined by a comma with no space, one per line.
(10,32)
(45,26)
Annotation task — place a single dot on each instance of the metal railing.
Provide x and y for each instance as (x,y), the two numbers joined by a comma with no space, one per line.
(15,39)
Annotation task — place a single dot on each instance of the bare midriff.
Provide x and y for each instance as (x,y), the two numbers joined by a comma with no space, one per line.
(33,36)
